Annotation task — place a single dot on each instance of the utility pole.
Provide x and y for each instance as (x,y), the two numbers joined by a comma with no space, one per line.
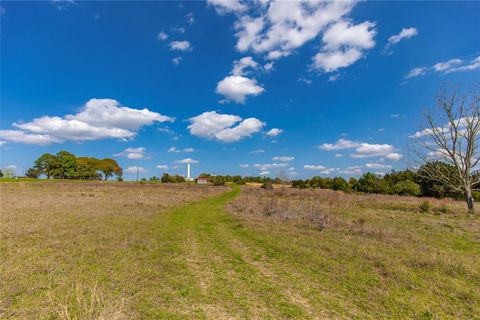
(137,173)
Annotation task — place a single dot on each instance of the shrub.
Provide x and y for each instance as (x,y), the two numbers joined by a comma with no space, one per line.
(424,206)
(218,180)
(267,185)
(406,187)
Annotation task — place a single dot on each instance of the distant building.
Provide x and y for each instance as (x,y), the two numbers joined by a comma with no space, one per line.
(202,180)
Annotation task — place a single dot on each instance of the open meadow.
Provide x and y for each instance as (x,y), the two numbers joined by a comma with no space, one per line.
(93,250)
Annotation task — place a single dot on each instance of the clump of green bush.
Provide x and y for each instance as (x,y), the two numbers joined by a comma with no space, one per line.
(267,185)
(425,206)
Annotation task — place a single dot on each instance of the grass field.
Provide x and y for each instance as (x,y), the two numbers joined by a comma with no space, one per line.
(132,251)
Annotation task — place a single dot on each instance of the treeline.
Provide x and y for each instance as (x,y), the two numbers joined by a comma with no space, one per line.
(65,165)
(404,182)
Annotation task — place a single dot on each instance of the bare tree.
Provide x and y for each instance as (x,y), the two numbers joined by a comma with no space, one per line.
(452,137)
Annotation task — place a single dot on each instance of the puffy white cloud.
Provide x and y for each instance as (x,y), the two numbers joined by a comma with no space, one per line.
(274,132)
(185,150)
(135,169)
(162,36)
(225,6)
(162,167)
(394,156)
(180,45)
(237,88)
(338,155)
(240,66)
(190,18)
(243,165)
(283,158)
(223,127)
(378,166)
(366,150)
(187,160)
(472,65)
(133,153)
(320,169)
(341,144)
(264,173)
(343,44)
(99,119)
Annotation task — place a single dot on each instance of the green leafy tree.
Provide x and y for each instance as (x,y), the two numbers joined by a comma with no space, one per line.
(218,180)
(1,173)
(406,187)
(110,167)
(45,164)
(32,173)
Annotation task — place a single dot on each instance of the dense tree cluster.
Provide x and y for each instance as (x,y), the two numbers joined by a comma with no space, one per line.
(168,178)
(65,165)
(404,182)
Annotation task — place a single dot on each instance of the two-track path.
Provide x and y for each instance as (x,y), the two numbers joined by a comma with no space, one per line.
(210,266)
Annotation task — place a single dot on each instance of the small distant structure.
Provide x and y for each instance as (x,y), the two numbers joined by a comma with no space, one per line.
(202,180)
(189,178)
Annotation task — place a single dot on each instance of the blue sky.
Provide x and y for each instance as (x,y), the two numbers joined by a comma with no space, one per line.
(158,84)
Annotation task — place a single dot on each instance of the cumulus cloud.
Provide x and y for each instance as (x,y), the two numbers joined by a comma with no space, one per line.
(187,160)
(237,88)
(185,150)
(274,132)
(363,149)
(180,45)
(320,169)
(352,170)
(277,28)
(240,66)
(98,119)
(226,6)
(162,167)
(446,67)
(283,158)
(366,150)
(135,169)
(405,34)
(177,60)
(341,144)
(266,166)
(243,165)
(133,153)
(343,45)
(223,127)
(264,173)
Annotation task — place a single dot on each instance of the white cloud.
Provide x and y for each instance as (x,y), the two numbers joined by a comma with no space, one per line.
(338,155)
(341,144)
(190,18)
(266,166)
(162,167)
(187,160)
(343,45)
(240,66)
(175,150)
(366,150)
(135,169)
(177,60)
(394,156)
(304,80)
(180,45)
(268,66)
(223,127)
(237,88)
(320,169)
(283,158)
(225,6)
(274,132)
(446,67)
(257,151)
(405,34)
(133,153)
(442,66)
(243,165)
(98,119)
(415,72)
(378,166)
(264,173)
(352,170)
(26,138)
(162,36)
